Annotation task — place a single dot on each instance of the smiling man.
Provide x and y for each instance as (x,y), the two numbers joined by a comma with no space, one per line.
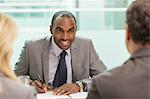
(63,61)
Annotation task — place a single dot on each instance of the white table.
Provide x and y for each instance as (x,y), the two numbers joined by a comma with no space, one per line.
(49,95)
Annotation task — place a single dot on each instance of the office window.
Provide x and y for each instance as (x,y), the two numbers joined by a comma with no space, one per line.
(101,13)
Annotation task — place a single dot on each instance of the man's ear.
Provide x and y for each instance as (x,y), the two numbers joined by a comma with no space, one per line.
(128,33)
(51,29)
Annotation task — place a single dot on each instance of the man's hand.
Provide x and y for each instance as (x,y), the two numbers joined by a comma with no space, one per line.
(67,89)
(41,88)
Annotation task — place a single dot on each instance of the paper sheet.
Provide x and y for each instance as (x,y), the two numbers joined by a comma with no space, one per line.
(79,95)
(49,95)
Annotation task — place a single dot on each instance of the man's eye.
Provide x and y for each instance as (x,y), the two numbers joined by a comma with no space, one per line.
(72,30)
(59,30)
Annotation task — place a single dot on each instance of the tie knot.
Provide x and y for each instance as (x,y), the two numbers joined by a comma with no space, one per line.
(63,53)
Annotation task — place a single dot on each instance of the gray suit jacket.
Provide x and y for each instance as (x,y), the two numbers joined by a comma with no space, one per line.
(130,81)
(35,60)
(15,90)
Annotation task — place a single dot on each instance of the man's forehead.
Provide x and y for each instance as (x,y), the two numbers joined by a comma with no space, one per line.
(64,23)
(61,17)
(65,28)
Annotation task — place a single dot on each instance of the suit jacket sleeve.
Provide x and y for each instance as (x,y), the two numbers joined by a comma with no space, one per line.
(21,67)
(96,66)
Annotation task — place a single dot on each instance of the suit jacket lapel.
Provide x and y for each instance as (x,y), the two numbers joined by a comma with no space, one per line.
(74,59)
(45,60)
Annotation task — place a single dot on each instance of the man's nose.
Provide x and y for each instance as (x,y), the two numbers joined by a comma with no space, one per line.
(65,35)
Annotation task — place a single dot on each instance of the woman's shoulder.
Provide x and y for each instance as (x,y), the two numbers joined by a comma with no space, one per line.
(12,88)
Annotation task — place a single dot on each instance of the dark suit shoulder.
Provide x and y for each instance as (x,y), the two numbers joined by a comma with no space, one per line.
(127,79)
(115,74)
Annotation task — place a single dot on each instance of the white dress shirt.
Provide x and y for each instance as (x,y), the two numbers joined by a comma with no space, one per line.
(54,57)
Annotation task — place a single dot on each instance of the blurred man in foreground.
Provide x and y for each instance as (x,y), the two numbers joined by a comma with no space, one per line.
(132,79)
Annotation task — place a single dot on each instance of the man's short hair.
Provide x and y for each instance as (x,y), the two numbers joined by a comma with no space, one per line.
(62,14)
(138,21)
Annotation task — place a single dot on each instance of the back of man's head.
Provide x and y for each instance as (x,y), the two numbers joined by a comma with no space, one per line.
(138,21)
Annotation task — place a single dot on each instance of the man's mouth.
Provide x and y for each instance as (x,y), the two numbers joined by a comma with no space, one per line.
(65,43)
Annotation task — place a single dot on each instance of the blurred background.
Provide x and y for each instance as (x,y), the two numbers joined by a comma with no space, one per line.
(101,20)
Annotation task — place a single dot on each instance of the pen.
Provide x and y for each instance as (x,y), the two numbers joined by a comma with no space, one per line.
(39,78)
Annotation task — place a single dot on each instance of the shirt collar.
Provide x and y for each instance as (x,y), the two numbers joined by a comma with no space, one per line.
(58,50)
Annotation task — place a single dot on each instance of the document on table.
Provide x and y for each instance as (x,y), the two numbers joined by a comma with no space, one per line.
(79,95)
(49,95)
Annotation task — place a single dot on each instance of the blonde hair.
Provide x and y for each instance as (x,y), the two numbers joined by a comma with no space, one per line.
(7,35)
